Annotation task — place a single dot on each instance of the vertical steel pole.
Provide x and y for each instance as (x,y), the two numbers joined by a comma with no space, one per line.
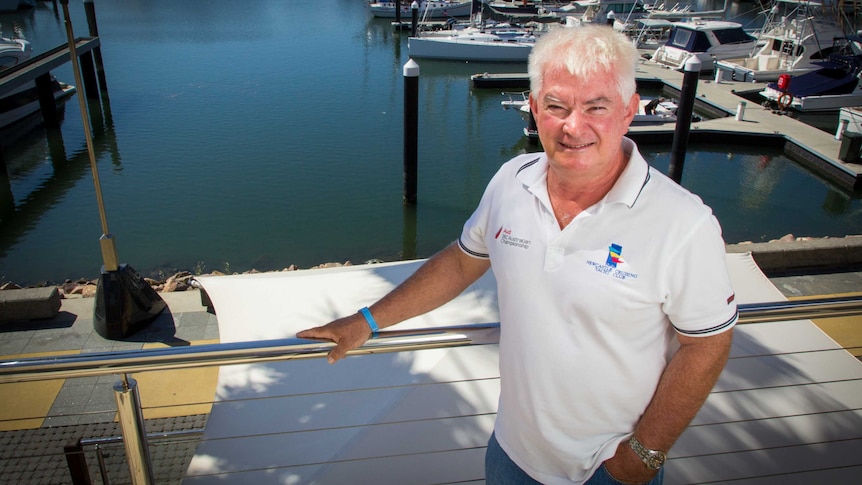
(683,118)
(411,130)
(131,419)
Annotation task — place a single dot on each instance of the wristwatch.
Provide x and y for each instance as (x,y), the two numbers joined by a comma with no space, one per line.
(653,459)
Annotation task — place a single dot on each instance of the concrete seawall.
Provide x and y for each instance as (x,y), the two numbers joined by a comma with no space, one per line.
(804,254)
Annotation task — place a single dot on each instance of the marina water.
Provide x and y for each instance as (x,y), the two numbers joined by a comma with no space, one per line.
(265,133)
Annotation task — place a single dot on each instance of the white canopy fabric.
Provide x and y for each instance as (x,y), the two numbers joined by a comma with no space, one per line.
(787,409)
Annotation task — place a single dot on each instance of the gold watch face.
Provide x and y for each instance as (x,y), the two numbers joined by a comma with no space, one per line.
(654,460)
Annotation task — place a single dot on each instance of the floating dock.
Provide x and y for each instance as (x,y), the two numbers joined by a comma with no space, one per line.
(813,148)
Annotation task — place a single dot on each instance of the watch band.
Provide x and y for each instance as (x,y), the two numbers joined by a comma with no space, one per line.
(653,459)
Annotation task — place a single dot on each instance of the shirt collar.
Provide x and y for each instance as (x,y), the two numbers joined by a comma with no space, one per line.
(632,180)
(534,175)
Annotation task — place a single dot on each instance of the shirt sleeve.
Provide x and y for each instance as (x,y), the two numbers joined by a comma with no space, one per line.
(473,235)
(700,298)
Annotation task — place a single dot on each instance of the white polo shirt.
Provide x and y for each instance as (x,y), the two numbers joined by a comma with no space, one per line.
(589,313)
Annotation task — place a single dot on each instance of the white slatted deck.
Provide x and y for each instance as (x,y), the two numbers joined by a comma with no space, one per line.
(787,409)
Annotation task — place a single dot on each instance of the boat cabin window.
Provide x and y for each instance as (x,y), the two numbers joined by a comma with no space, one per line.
(732,36)
(687,39)
(787,47)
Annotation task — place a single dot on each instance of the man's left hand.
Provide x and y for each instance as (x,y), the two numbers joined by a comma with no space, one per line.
(626,467)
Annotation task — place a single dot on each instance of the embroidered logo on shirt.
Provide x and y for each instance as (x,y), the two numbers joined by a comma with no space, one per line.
(612,264)
(505,237)
(614,257)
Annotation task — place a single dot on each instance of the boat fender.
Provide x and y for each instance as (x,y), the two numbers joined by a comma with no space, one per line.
(784,82)
(784,100)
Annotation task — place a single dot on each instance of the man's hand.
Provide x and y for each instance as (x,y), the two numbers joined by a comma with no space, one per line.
(440,279)
(348,333)
(627,467)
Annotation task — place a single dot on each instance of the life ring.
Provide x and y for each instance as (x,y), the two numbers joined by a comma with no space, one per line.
(784,100)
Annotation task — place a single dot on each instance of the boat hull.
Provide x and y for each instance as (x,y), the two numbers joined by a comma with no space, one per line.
(828,102)
(469,50)
(677,58)
(742,70)
(429,10)
(21,105)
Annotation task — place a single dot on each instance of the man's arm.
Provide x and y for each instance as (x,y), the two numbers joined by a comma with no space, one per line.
(682,390)
(443,277)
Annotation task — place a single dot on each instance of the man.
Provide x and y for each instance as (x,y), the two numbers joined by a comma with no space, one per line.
(616,308)
(650,107)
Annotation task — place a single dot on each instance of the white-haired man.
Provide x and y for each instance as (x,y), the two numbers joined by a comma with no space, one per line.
(616,310)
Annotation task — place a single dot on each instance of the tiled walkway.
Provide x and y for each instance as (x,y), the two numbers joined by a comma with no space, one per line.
(38,419)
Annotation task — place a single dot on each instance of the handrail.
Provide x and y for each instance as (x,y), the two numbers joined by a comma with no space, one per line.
(129,361)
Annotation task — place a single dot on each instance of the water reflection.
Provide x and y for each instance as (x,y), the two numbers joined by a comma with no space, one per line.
(272,136)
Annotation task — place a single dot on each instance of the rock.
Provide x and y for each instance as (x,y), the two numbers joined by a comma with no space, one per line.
(88,291)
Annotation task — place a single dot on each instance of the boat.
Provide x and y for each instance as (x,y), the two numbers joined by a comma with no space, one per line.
(428,9)
(652,111)
(708,40)
(506,45)
(23,101)
(796,33)
(14,51)
(529,8)
(486,80)
(835,84)
(619,13)
(521,8)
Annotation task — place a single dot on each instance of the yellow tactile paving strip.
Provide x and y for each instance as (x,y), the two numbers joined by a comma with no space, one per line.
(24,405)
(191,390)
(846,331)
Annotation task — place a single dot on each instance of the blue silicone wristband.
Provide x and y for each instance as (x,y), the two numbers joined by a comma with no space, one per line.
(370,320)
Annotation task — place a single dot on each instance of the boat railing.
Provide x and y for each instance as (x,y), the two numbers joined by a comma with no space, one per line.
(515,99)
(130,414)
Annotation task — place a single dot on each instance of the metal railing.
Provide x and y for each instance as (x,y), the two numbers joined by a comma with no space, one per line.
(130,361)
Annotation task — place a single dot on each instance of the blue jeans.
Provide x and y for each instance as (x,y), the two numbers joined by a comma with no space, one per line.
(501,470)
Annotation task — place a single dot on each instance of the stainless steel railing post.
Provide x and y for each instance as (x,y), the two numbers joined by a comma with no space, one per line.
(131,419)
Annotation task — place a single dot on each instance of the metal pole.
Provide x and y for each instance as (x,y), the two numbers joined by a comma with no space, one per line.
(414,11)
(131,419)
(208,355)
(683,118)
(411,130)
(106,241)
